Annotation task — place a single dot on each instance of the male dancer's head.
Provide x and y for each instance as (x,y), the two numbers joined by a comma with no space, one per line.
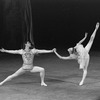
(28,46)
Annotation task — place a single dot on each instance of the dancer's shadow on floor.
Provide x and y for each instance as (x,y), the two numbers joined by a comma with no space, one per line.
(23,83)
(47,80)
(55,79)
(61,79)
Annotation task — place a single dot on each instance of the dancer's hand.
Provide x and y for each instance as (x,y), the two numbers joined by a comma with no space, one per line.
(86,34)
(54,49)
(2,50)
(97,25)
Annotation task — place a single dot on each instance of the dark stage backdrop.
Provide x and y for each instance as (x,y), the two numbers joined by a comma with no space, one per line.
(56,23)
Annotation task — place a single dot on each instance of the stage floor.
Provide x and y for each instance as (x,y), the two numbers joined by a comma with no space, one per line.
(62,78)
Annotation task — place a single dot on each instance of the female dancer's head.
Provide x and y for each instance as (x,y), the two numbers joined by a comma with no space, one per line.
(71,50)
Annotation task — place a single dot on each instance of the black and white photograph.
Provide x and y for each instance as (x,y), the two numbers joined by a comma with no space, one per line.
(49,50)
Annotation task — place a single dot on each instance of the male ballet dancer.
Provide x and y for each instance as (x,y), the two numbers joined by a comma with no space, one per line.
(28,57)
(81,54)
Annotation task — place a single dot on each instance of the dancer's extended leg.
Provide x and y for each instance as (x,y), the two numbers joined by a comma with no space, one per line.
(42,74)
(88,46)
(17,73)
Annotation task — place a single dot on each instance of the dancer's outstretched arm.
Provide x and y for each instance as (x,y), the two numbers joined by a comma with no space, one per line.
(11,51)
(71,56)
(82,39)
(44,51)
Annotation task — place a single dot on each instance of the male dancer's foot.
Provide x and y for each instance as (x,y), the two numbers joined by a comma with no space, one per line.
(43,84)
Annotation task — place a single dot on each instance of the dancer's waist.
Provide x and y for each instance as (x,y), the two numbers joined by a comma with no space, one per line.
(27,63)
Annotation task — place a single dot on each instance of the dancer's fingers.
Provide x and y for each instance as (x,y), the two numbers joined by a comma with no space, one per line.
(54,49)
(2,49)
(86,34)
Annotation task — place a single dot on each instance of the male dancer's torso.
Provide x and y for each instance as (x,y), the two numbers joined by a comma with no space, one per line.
(27,57)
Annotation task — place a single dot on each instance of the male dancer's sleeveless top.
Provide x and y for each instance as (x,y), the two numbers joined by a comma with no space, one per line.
(28,57)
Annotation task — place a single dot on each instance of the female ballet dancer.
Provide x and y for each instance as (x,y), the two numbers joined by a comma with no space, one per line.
(27,57)
(81,53)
